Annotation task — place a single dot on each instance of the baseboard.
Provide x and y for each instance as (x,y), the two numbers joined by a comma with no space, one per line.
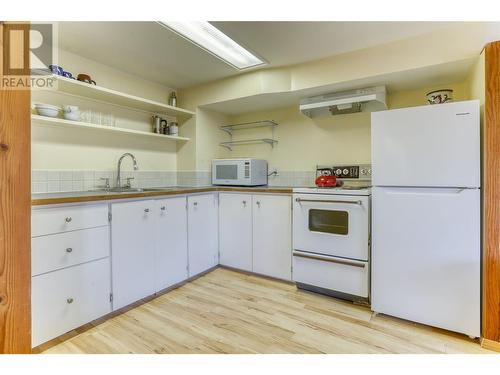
(490,344)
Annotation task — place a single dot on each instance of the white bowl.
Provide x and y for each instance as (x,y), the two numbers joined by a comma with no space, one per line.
(74,116)
(71,108)
(48,112)
(48,106)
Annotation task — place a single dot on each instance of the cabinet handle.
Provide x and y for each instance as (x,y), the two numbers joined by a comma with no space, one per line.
(69,300)
(69,250)
(163,208)
(146,210)
(245,203)
(195,203)
(258,203)
(68,219)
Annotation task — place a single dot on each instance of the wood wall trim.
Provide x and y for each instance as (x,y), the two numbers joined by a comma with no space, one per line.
(491,195)
(490,344)
(15,218)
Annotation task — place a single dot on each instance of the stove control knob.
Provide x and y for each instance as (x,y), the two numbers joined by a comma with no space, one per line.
(338,172)
(364,171)
(345,171)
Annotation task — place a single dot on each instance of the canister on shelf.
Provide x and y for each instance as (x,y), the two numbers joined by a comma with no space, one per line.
(172,100)
(173,128)
(164,126)
(156,124)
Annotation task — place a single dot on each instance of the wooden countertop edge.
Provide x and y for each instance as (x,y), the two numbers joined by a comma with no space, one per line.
(106,197)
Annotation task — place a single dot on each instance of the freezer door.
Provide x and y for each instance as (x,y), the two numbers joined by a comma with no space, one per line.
(426,256)
(434,145)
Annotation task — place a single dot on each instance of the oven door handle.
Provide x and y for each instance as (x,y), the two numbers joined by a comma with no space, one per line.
(324,258)
(298,200)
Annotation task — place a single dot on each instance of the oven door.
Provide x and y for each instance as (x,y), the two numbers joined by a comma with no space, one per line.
(335,225)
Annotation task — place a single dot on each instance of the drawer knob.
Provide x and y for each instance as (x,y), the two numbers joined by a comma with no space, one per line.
(69,300)
(146,210)
(258,203)
(195,203)
(68,219)
(69,250)
(163,208)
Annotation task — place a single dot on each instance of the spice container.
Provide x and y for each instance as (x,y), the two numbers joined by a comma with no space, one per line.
(172,100)
(173,128)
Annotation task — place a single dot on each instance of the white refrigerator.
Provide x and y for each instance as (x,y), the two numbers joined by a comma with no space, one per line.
(426,220)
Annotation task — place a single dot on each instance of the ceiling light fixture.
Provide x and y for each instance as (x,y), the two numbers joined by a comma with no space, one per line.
(214,41)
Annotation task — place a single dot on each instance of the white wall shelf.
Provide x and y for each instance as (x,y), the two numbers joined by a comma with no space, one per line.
(229,145)
(248,125)
(230,129)
(86,90)
(58,122)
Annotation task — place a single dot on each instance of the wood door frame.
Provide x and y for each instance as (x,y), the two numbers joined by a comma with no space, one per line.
(491,196)
(15,208)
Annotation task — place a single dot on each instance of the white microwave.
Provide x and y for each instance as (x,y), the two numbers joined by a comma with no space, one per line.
(239,172)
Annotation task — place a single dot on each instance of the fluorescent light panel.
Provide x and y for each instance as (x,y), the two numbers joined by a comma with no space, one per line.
(216,42)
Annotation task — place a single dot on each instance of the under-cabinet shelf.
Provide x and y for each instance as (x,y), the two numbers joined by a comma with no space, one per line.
(82,89)
(248,125)
(229,145)
(58,122)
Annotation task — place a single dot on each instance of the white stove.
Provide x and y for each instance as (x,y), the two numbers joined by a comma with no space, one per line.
(331,235)
(340,190)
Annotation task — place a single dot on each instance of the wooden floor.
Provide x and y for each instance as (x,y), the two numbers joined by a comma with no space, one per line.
(230,312)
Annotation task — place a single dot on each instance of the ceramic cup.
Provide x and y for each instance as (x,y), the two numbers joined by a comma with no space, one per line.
(85,78)
(68,75)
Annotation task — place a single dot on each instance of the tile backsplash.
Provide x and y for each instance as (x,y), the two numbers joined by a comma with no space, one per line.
(51,180)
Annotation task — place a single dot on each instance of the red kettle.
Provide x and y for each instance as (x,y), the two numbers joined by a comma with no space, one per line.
(326,181)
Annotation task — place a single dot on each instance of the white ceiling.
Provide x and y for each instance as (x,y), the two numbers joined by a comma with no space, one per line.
(148,50)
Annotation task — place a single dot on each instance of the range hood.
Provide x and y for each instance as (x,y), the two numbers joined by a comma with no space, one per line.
(361,100)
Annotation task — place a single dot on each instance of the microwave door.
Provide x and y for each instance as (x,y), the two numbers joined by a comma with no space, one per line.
(226,172)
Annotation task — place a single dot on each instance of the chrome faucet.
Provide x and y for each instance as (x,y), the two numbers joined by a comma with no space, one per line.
(118,176)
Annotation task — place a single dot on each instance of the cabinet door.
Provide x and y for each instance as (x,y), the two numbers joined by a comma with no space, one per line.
(202,233)
(235,230)
(132,230)
(171,256)
(272,235)
(66,299)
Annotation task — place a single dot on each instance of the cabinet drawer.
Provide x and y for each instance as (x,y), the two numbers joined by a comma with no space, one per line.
(338,274)
(57,220)
(49,253)
(68,298)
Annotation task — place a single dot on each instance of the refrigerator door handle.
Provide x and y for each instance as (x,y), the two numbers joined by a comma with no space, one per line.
(425,190)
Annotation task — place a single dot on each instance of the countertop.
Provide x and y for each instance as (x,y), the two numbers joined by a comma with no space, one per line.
(40,199)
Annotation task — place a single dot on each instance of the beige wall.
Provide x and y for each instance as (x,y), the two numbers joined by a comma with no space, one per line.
(66,148)
(304,142)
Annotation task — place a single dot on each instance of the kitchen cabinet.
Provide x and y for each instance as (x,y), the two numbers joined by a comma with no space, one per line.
(132,239)
(272,235)
(203,242)
(69,298)
(71,272)
(235,230)
(171,253)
